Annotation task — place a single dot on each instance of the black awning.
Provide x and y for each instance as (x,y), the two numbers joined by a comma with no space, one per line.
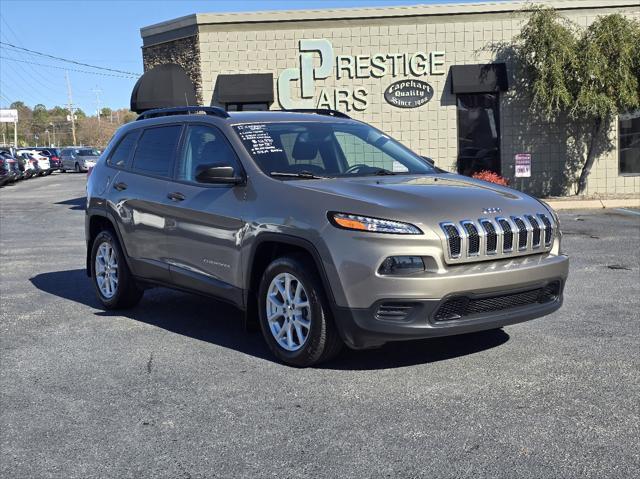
(164,86)
(244,88)
(487,78)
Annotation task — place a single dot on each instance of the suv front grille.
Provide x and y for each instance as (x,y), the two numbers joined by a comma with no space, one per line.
(502,237)
(462,306)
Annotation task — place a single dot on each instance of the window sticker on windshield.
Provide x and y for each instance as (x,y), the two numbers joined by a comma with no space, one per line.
(260,139)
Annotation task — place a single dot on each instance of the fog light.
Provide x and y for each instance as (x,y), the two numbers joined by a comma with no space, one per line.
(400,265)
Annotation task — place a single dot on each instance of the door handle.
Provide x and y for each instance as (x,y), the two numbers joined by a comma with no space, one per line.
(120,186)
(176,196)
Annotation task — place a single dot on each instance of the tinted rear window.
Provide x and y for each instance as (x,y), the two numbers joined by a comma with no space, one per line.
(156,150)
(122,152)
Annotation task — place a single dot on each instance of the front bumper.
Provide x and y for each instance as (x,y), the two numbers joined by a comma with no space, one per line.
(366,327)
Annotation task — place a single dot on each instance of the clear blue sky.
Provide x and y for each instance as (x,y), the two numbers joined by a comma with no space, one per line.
(103,33)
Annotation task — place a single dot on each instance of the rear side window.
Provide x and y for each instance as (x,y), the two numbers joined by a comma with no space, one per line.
(121,154)
(156,150)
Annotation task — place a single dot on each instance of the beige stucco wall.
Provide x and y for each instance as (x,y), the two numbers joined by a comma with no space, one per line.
(430,129)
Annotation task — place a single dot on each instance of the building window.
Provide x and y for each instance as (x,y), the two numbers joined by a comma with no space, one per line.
(478,133)
(629,143)
(247,106)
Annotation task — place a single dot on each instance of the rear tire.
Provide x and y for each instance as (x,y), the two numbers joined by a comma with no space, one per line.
(296,319)
(113,282)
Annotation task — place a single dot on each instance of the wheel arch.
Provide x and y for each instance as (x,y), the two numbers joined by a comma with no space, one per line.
(98,221)
(269,246)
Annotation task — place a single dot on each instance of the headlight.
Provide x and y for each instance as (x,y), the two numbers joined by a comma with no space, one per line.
(375,225)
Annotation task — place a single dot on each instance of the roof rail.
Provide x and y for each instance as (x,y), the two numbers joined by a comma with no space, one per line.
(184,110)
(321,111)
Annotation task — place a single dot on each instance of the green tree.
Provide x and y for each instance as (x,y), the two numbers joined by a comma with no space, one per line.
(589,75)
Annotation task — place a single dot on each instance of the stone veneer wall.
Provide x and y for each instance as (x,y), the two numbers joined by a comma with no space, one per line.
(183,51)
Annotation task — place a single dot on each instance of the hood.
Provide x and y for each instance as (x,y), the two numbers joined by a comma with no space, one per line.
(442,197)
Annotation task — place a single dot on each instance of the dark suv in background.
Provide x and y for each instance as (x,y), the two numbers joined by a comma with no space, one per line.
(326,229)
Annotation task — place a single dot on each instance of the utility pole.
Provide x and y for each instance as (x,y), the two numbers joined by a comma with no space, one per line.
(97,91)
(71,115)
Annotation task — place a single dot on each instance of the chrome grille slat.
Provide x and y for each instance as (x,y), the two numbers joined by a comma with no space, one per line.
(535,236)
(507,235)
(522,233)
(473,237)
(491,236)
(548,229)
(498,237)
(453,239)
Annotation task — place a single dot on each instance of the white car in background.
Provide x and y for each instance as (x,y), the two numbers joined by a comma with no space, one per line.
(38,163)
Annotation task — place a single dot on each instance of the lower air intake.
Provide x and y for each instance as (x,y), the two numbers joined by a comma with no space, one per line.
(463,306)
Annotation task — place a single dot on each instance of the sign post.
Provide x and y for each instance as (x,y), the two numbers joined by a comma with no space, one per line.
(11,116)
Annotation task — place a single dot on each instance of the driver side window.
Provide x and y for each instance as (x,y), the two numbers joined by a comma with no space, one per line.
(204,145)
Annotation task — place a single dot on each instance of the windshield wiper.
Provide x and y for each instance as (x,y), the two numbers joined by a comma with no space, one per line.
(301,174)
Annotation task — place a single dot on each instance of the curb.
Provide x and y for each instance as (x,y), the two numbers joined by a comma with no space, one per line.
(593,204)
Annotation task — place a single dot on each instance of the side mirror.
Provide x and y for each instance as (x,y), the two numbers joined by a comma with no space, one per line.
(429,160)
(218,173)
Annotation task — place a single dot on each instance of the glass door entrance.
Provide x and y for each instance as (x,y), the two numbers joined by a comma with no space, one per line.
(478,133)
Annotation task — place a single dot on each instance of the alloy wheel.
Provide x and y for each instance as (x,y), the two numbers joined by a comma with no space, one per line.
(288,311)
(106,267)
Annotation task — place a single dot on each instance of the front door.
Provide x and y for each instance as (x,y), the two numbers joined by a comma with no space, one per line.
(478,133)
(205,222)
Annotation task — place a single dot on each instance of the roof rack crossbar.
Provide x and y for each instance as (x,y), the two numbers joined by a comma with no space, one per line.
(183,110)
(320,111)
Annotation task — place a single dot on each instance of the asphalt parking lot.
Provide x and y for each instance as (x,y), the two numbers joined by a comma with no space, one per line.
(175,389)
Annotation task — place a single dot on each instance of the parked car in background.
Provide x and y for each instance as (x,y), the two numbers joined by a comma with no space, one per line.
(12,164)
(78,159)
(38,165)
(53,154)
(5,172)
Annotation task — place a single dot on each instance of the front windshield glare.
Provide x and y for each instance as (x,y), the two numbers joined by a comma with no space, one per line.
(327,149)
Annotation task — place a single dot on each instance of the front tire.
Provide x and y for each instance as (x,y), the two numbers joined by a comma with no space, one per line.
(294,314)
(112,280)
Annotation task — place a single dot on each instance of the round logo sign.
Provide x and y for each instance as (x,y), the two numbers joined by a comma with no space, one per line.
(408,93)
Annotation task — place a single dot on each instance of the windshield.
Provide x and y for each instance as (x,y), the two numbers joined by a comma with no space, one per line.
(327,149)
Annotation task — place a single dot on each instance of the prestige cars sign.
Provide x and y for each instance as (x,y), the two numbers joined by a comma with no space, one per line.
(408,93)
(298,86)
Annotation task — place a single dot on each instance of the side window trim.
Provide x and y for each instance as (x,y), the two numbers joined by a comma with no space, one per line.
(181,152)
(175,152)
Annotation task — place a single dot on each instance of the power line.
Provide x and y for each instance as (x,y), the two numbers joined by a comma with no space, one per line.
(67,60)
(65,68)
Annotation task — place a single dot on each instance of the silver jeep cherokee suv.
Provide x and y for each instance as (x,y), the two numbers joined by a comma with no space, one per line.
(326,230)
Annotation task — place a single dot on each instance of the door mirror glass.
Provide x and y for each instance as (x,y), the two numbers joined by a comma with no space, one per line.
(218,173)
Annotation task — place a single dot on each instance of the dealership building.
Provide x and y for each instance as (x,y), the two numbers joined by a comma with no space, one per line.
(439,78)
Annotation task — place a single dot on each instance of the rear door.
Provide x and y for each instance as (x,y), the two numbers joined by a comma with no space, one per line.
(205,220)
(138,196)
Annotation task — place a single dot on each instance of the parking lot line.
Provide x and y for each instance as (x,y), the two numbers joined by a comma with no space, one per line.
(626,210)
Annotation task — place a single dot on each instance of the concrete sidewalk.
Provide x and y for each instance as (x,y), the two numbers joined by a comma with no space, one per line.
(591,203)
